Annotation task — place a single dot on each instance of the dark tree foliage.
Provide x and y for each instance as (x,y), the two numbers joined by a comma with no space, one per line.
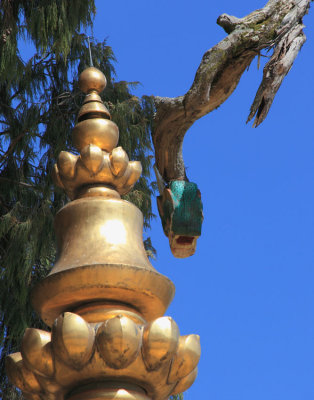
(177,397)
(39,101)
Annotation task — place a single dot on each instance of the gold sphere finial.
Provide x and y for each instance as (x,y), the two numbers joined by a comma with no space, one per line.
(91,79)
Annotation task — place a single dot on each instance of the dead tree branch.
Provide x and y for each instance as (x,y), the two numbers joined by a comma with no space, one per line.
(277,26)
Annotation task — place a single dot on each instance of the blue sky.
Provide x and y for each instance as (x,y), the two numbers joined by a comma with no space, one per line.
(248,290)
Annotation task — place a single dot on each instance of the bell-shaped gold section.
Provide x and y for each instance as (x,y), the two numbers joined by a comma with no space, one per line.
(103,299)
(101,256)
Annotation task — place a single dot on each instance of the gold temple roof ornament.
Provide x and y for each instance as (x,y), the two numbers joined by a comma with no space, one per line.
(101,165)
(103,299)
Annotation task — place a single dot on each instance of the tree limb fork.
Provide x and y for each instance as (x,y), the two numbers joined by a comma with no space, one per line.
(278,27)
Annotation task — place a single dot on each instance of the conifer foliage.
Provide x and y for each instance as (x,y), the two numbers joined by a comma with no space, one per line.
(39,100)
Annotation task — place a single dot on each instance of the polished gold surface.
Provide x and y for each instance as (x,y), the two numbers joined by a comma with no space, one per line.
(112,350)
(98,131)
(109,391)
(20,375)
(37,352)
(119,161)
(91,79)
(96,167)
(118,341)
(95,136)
(92,158)
(96,191)
(146,291)
(186,358)
(185,382)
(93,231)
(93,105)
(66,164)
(73,339)
(103,299)
(100,311)
(160,342)
(101,257)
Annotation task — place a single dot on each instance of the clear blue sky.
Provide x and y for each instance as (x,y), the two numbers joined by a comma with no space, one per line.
(248,290)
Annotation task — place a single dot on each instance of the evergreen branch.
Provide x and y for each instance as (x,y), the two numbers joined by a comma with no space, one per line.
(24,184)
(42,115)
(12,146)
(4,205)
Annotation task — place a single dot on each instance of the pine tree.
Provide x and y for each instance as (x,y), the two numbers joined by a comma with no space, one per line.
(39,103)
(39,100)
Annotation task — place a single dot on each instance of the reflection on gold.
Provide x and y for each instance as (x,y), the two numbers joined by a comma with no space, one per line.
(109,391)
(157,361)
(103,299)
(114,232)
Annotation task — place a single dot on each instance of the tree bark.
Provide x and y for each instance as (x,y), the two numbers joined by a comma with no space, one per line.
(277,26)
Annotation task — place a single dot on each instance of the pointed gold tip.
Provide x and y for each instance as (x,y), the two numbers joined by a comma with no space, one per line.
(91,79)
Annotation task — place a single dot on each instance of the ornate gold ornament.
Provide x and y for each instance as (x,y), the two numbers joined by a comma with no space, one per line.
(103,299)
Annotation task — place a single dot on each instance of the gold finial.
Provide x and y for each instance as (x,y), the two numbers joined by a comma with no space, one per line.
(101,169)
(92,80)
(103,299)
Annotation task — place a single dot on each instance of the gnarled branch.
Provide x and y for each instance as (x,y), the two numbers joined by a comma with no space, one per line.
(277,26)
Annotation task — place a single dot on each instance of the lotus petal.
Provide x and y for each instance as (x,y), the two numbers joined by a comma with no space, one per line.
(186,359)
(160,342)
(118,341)
(72,339)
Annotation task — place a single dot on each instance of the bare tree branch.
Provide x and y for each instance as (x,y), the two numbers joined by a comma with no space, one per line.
(279,26)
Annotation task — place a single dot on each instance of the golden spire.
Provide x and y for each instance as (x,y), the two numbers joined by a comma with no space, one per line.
(101,166)
(103,299)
